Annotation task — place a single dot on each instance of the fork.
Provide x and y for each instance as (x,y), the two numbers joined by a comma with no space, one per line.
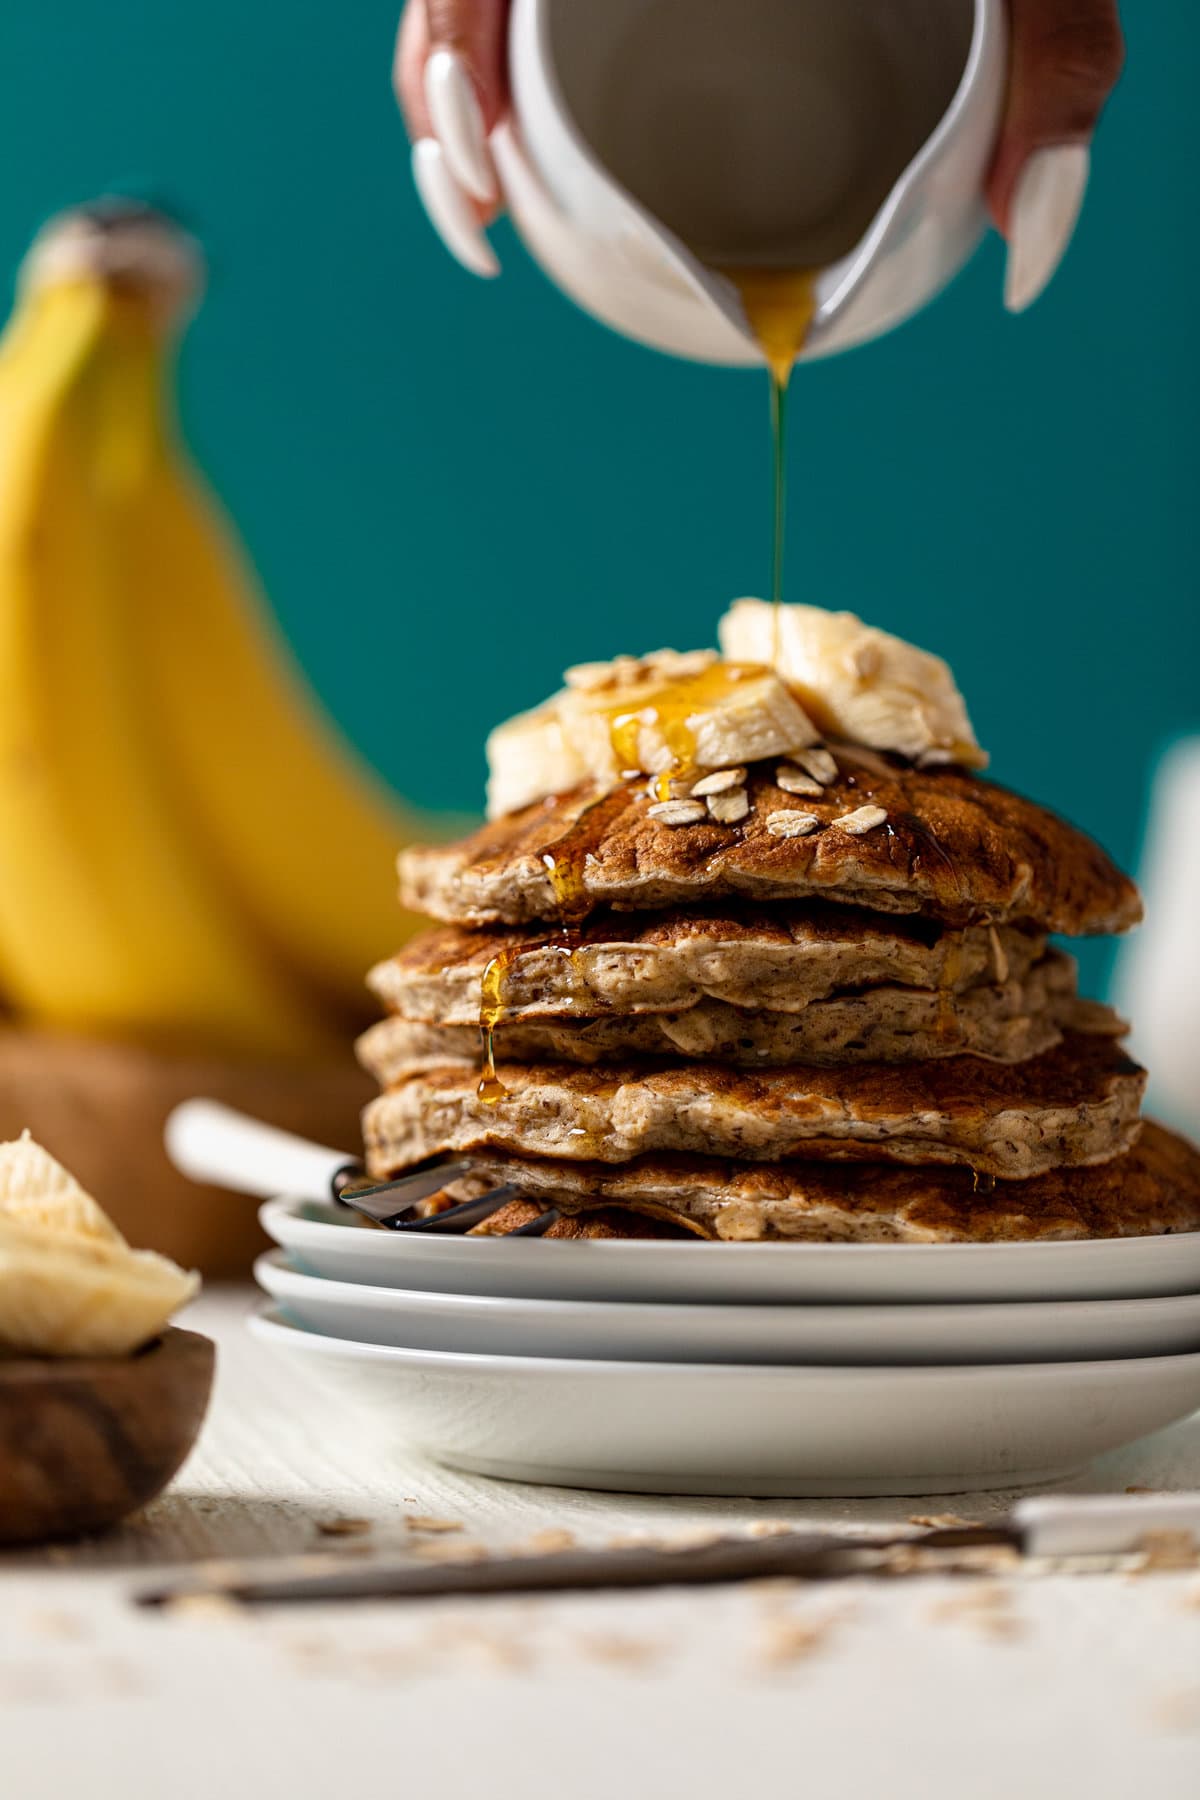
(210,1142)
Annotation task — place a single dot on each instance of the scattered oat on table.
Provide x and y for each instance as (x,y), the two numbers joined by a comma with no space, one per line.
(985,1608)
(787,1638)
(427,1523)
(502,1650)
(61,1626)
(1178,1710)
(691,1537)
(343,1527)
(204,1606)
(622,1651)
(461,1550)
(552,1539)
(1166,1552)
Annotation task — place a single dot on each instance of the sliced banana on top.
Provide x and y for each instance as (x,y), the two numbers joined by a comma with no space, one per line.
(37,1190)
(860,684)
(787,677)
(528,758)
(646,716)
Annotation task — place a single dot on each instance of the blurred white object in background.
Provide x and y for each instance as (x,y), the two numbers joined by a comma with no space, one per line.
(1157,979)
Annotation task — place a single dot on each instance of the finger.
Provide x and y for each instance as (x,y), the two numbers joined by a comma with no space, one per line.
(1066,57)
(454,215)
(450,210)
(476,32)
(457,121)
(441,97)
(408,69)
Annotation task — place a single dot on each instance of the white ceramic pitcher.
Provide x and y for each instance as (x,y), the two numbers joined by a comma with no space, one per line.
(655,140)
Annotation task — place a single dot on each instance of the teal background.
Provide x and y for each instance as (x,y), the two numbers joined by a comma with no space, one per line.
(453,489)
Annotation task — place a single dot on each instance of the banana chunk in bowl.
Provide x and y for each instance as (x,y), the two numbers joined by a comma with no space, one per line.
(100,1397)
(69,1283)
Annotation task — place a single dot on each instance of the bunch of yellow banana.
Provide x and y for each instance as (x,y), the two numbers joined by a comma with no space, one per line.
(187,853)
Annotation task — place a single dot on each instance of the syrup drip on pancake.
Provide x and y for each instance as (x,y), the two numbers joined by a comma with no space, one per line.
(952,969)
(564,861)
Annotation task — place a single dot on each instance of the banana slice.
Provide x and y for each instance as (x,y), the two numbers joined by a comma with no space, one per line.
(528,758)
(36,1190)
(645,715)
(67,1294)
(858,683)
(69,1283)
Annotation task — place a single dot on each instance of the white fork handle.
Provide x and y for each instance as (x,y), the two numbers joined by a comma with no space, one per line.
(212,1143)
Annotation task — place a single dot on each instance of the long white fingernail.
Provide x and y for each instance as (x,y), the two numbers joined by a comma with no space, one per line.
(449,209)
(1045,208)
(458,123)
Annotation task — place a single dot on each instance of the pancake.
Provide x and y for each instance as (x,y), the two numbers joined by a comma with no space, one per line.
(1151,1189)
(604,1222)
(953,846)
(783,958)
(1077,1103)
(1006,1022)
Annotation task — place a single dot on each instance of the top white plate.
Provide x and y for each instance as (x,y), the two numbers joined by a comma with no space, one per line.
(325,1240)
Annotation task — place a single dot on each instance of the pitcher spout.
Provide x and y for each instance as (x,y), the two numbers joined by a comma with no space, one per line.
(655,147)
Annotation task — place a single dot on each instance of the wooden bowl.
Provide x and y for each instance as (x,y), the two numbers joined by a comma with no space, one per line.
(99,1107)
(84,1441)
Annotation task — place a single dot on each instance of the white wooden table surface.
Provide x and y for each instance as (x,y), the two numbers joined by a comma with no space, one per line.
(1022,1682)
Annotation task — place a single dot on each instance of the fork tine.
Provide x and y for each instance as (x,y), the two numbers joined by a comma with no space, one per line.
(536,1227)
(388,1199)
(459,1218)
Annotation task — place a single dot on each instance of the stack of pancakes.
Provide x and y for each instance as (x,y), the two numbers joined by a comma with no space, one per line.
(748,1034)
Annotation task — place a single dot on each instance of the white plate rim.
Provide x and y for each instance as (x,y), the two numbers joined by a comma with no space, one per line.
(284,1206)
(264,1323)
(391,1299)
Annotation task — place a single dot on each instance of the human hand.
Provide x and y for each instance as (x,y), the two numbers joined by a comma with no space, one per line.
(451,80)
(1064,62)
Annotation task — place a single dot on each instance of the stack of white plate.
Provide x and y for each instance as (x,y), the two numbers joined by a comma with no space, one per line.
(661,1365)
